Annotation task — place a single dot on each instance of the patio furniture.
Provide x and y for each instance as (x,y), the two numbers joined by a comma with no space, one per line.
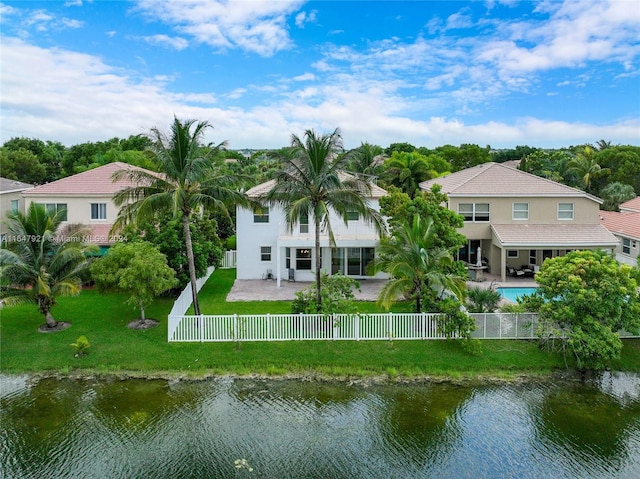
(511,271)
(527,270)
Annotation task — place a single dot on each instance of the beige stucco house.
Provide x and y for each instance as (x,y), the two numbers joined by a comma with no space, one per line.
(86,198)
(517,219)
(11,200)
(625,225)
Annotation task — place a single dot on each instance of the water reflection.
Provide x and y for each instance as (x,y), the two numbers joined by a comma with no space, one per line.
(291,429)
(594,421)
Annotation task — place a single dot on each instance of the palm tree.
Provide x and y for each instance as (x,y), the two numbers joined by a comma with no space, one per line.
(416,266)
(407,171)
(188,181)
(312,183)
(586,167)
(366,159)
(40,262)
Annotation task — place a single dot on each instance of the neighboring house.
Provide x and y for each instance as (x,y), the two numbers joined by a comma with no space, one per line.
(266,249)
(631,206)
(11,200)
(518,219)
(625,226)
(87,200)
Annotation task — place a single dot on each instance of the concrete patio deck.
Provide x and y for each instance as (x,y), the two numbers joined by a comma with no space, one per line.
(267,290)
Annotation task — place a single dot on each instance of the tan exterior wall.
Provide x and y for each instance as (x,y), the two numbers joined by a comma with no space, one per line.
(541,211)
(79,209)
(5,207)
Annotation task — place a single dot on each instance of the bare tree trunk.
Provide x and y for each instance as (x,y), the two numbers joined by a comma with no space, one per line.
(50,320)
(192,263)
(318,292)
(142,316)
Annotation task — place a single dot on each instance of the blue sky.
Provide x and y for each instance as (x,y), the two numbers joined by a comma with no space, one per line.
(494,72)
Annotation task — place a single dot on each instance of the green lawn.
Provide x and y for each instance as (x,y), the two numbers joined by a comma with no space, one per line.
(115,348)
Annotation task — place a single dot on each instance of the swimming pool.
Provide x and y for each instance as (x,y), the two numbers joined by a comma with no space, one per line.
(512,293)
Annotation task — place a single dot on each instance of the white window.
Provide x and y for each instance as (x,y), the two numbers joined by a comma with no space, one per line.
(303,259)
(15,206)
(261,214)
(98,211)
(520,211)
(476,212)
(513,253)
(304,224)
(55,208)
(626,245)
(265,253)
(565,211)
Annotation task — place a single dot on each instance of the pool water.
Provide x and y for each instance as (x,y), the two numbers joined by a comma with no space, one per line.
(512,293)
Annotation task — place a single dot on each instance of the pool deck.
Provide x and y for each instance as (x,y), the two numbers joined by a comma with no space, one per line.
(267,290)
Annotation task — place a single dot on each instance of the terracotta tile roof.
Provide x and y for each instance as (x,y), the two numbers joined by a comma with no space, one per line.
(623,224)
(263,188)
(496,179)
(8,186)
(554,236)
(91,182)
(631,205)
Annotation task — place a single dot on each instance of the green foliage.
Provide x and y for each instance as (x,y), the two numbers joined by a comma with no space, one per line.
(137,269)
(483,300)
(40,261)
(190,182)
(400,209)
(419,268)
(615,193)
(407,170)
(169,239)
(584,299)
(21,165)
(337,296)
(80,346)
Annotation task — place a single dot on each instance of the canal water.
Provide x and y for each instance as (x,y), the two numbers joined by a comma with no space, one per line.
(154,429)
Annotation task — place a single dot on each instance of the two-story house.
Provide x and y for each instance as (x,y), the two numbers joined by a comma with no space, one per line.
(625,225)
(266,249)
(87,199)
(515,218)
(11,200)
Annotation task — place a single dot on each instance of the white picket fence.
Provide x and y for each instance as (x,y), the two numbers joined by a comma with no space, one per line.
(355,327)
(229,260)
(183,303)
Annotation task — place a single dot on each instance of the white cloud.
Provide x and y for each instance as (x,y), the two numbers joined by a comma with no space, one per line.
(106,102)
(305,77)
(304,17)
(257,27)
(176,43)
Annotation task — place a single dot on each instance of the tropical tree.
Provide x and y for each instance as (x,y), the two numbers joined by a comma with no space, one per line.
(313,183)
(615,193)
(138,269)
(418,269)
(188,182)
(585,298)
(366,159)
(407,171)
(39,261)
(586,167)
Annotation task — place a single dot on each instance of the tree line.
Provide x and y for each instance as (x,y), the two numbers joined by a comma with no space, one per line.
(611,172)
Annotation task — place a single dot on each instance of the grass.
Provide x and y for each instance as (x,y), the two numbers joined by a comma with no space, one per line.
(117,349)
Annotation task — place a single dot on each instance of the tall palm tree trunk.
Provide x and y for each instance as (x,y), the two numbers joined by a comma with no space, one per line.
(192,263)
(50,320)
(318,255)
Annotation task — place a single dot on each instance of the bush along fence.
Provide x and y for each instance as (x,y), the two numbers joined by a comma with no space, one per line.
(355,327)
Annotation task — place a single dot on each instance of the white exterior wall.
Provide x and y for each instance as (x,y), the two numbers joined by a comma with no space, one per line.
(252,236)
